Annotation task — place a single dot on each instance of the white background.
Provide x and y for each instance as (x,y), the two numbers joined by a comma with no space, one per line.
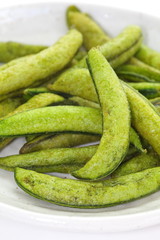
(10,229)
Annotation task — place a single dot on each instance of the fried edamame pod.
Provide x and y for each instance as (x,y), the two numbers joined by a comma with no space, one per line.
(51,160)
(57,141)
(149,90)
(40,66)
(11,50)
(133,136)
(9,105)
(114,142)
(137,164)
(6,107)
(83,194)
(75,82)
(38,101)
(156,103)
(121,48)
(30,92)
(93,35)
(137,73)
(53,119)
(149,56)
(145,117)
(83,102)
(142,107)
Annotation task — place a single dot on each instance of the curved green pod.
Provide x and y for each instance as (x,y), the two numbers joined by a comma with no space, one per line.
(121,48)
(83,102)
(30,92)
(156,103)
(6,107)
(114,142)
(38,101)
(11,50)
(49,141)
(136,73)
(137,164)
(92,33)
(57,141)
(145,118)
(9,105)
(76,82)
(52,119)
(149,56)
(82,194)
(84,88)
(60,160)
(40,66)
(149,90)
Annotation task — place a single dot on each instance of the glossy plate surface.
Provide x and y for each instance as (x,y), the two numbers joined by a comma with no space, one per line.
(44,24)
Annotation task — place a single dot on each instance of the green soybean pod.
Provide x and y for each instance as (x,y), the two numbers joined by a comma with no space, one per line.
(51,160)
(38,101)
(93,35)
(156,103)
(40,66)
(133,136)
(83,102)
(149,56)
(145,117)
(49,141)
(137,164)
(116,120)
(9,105)
(6,107)
(83,194)
(11,50)
(149,90)
(30,92)
(58,141)
(121,48)
(138,73)
(76,82)
(52,119)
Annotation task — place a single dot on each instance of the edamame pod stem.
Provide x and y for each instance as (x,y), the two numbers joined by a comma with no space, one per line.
(137,73)
(52,119)
(12,50)
(93,35)
(40,66)
(149,90)
(149,56)
(51,160)
(121,48)
(82,194)
(58,140)
(145,117)
(115,121)
(137,164)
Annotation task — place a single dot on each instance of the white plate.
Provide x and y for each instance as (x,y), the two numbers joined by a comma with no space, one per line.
(44,24)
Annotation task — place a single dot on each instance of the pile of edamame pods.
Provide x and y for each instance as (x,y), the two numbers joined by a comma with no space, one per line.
(86,88)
